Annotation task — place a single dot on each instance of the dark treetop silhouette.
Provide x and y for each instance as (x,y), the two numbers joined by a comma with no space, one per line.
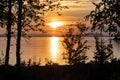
(106,17)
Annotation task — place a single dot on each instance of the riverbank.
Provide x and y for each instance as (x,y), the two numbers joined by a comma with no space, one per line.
(109,71)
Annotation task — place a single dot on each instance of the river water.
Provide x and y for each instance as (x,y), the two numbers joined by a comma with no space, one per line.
(48,47)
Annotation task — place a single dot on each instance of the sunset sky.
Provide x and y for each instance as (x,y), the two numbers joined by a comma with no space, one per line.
(78,9)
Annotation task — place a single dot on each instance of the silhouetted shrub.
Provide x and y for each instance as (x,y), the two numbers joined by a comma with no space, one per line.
(75,45)
(103,52)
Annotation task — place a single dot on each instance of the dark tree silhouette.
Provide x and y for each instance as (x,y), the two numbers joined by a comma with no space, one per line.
(75,45)
(106,16)
(103,52)
(9,24)
(6,21)
(19,29)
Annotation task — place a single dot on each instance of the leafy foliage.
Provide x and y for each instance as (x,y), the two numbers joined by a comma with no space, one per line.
(106,16)
(50,63)
(103,52)
(2,59)
(30,63)
(75,46)
(3,14)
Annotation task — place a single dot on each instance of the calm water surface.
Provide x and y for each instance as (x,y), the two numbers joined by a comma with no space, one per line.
(48,47)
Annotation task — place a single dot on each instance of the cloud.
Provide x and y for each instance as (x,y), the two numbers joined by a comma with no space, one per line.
(77,10)
(78,3)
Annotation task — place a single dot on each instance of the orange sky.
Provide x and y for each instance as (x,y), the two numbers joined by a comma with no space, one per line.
(78,9)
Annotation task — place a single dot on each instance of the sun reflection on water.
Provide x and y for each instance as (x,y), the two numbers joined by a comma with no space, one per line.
(54,48)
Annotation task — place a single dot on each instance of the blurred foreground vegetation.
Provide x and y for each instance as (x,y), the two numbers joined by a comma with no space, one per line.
(89,71)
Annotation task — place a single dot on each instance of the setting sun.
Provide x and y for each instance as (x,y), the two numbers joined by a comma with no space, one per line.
(55,24)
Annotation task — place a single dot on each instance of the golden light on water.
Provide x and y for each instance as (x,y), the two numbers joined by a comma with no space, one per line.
(55,24)
(54,48)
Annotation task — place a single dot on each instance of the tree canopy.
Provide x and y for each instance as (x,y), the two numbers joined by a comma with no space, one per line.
(75,45)
(106,16)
